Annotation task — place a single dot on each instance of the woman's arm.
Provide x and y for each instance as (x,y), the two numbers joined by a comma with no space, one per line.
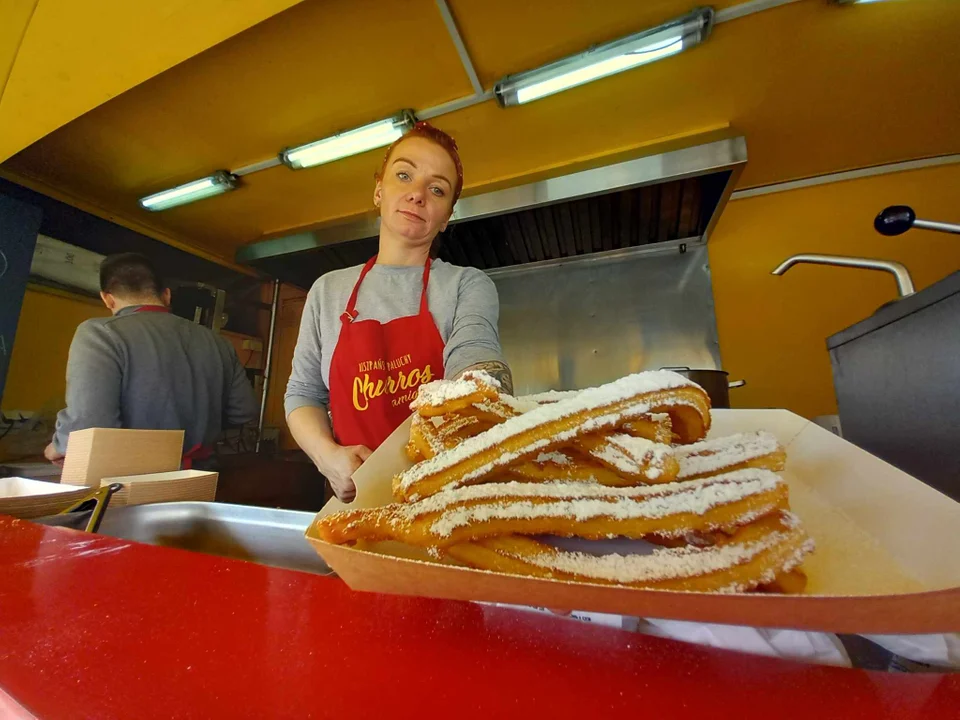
(310,427)
(306,402)
(499,370)
(474,343)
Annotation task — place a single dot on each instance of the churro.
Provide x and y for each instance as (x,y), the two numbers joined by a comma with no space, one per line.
(632,459)
(547,427)
(583,510)
(768,549)
(734,452)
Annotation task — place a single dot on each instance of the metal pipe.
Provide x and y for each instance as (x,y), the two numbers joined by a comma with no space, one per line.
(457,39)
(258,166)
(936,225)
(899,271)
(266,362)
(747,8)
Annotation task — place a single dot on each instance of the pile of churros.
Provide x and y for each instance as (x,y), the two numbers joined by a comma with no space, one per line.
(496,479)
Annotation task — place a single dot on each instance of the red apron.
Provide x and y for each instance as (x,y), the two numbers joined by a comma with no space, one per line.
(377,367)
(198,451)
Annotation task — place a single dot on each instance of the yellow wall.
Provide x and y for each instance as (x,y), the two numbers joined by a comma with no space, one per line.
(773,330)
(36,379)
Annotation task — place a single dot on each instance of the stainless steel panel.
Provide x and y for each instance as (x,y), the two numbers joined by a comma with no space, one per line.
(261,535)
(718,156)
(570,324)
(898,384)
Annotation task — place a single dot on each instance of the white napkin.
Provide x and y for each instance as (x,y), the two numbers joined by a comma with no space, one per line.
(813,647)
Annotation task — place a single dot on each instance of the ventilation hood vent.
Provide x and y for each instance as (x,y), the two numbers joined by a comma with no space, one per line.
(673,196)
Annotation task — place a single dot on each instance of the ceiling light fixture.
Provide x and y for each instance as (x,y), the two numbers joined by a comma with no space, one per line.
(855,2)
(607,59)
(220,182)
(349,142)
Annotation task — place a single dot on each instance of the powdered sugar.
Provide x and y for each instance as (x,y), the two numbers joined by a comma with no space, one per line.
(665,564)
(592,399)
(581,502)
(712,455)
(498,409)
(441,392)
(568,490)
(481,376)
(633,456)
(518,405)
(550,396)
(556,458)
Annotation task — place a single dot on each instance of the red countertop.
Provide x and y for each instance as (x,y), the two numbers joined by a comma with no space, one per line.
(96,627)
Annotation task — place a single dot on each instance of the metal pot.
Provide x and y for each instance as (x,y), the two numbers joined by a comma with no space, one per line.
(713,381)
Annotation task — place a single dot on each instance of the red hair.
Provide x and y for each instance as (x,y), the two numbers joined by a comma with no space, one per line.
(435,135)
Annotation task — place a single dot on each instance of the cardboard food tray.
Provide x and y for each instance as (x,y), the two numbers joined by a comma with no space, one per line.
(886,558)
(198,485)
(28,498)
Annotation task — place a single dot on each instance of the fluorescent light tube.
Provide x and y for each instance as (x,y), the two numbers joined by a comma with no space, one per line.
(350,142)
(605,60)
(220,182)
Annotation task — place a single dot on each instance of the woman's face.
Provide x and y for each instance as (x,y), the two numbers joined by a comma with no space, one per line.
(415,194)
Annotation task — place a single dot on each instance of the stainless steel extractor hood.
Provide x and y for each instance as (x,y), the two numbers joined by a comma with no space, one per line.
(675,195)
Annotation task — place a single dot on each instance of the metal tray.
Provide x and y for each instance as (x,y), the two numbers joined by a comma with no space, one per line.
(260,535)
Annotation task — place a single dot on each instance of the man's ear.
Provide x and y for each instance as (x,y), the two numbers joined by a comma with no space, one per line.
(109,300)
(165,297)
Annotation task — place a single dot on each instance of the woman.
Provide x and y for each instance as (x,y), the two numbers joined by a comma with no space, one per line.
(371,335)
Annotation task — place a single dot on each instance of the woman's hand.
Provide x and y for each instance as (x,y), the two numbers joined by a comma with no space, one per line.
(311,429)
(338,463)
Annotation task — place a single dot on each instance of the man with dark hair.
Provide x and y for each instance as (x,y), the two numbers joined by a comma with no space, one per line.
(130,274)
(147,369)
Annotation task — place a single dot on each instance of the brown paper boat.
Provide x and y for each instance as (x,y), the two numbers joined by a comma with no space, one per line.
(886,558)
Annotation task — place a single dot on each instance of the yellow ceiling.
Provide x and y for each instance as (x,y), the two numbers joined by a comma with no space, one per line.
(815,88)
(61,58)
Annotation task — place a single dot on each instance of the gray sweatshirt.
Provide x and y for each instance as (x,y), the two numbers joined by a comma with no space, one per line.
(153,371)
(463,302)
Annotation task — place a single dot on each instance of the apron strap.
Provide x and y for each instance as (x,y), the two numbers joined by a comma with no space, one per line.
(350,314)
(197,452)
(424,307)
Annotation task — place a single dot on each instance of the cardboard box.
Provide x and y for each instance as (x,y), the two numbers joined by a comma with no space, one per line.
(886,559)
(97,453)
(181,485)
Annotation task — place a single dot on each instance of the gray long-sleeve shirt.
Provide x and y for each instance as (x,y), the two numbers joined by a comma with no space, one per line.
(463,302)
(153,371)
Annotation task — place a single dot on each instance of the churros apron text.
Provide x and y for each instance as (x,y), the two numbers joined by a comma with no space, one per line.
(377,367)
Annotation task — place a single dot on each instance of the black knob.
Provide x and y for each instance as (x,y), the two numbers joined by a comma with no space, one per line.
(894,220)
